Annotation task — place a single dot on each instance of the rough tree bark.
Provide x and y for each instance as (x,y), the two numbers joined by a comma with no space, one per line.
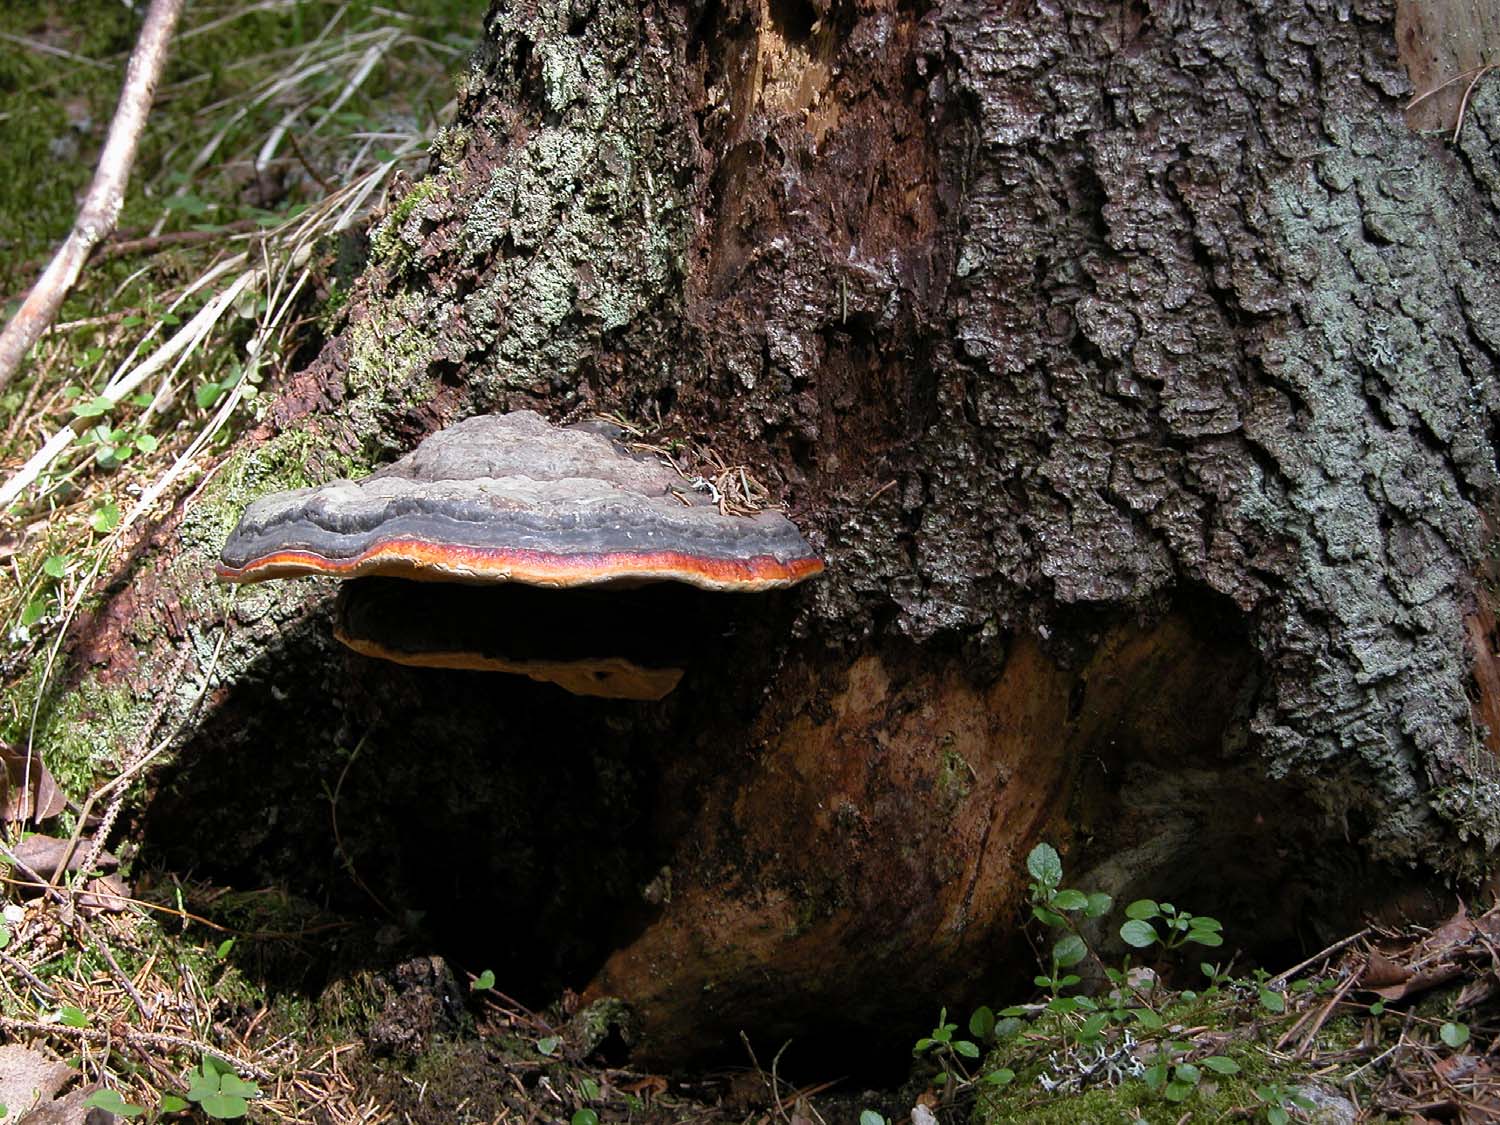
(1132,364)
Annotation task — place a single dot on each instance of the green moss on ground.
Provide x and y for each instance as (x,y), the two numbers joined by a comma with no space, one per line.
(1048,1064)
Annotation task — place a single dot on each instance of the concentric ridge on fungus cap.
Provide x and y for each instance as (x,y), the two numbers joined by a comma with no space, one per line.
(511,498)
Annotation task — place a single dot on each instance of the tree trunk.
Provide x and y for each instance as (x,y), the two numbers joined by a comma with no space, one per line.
(1133,367)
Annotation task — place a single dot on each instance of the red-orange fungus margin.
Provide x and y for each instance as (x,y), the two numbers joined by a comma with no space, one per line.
(418,559)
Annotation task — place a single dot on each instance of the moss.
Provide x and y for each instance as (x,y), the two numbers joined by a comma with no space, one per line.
(594,1024)
(396,238)
(81,733)
(1044,1051)
(955,778)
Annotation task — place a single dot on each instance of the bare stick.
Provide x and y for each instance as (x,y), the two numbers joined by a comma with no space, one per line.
(106,194)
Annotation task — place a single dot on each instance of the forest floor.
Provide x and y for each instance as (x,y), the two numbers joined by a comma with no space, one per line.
(276,130)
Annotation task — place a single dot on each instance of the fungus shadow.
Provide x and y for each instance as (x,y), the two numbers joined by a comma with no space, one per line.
(500,822)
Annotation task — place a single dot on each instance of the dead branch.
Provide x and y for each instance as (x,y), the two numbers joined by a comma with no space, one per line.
(106,194)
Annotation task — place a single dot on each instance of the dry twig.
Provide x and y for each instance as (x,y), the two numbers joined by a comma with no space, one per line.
(106,194)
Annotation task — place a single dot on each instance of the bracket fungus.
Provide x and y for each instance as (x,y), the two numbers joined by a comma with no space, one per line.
(511,499)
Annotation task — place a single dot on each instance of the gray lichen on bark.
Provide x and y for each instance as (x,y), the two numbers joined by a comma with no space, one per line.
(1261,361)
(560,221)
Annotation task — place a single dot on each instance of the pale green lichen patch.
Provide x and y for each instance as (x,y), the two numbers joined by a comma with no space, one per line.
(390,347)
(581,225)
(396,238)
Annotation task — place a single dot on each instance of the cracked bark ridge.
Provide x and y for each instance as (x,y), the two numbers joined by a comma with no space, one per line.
(1145,301)
(511,498)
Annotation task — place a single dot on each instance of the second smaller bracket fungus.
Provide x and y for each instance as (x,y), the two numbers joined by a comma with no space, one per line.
(511,498)
(613,644)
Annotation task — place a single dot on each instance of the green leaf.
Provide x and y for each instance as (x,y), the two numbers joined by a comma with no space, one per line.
(1156,1076)
(4,941)
(171,1103)
(207,394)
(1138,934)
(1002,1077)
(73,1017)
(484,981)
(1069,950)
(1454,1035)
(146,443)
(982,1023)
(1045,865)
(240,1087)
(585,1117)
(1148,1019)
(94,407)
(224,1107)
(1275,1115)
(1220,1065)
(966,1049)
(1099,904)
(1272,1000)
(55,566)
(213,1065)
(1047,917)
(223,948)
(1204,922)
(1063,1005)
(1205,937)
(105,518)
(1093,1026)
(1178,1091)
(1070,900)
(549,1045)
(1377,1007)
(588,1089)
(870,1117)
(922,1045)
(111,1102)
(187,203)
(1187,1072)
(1143,909)
(35,610)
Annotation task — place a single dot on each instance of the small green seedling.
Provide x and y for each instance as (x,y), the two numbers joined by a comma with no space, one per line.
(1454,1035)
(1160,923)
(219,1091)
(1277,1097)
(111,1102)
(484,981)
